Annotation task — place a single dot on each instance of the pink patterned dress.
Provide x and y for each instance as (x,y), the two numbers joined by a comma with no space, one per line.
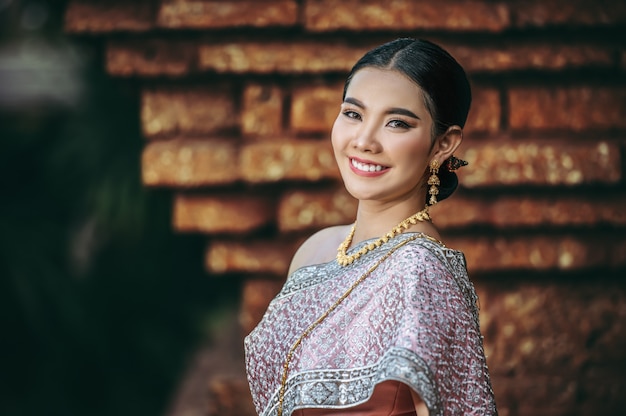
(413,320)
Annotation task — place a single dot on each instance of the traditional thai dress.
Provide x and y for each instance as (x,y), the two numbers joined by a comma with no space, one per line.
(413,319)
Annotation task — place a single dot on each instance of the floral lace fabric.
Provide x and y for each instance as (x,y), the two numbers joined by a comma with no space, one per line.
(413,320)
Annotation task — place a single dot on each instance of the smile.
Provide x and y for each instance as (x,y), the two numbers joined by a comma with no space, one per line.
(366,167)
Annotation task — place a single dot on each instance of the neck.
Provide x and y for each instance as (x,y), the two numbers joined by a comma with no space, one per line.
(342,254)
(375,219)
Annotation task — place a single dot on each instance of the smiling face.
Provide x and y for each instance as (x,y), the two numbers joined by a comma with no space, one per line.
(382,138)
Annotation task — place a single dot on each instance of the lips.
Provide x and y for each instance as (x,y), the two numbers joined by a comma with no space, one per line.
(367,168)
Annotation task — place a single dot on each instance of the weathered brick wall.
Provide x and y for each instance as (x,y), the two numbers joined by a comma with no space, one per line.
(237,101)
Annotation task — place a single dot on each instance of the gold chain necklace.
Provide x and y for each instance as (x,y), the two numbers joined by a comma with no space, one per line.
(307,332)
(344,259)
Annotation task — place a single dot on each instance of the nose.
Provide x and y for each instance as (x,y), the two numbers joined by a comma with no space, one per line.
(366,139)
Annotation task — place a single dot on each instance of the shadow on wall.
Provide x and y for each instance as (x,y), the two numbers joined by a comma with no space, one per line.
(100,303)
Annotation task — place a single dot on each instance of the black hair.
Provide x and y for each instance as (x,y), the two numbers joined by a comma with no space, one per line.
(447,93)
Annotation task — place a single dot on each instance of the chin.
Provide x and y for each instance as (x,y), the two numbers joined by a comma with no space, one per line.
(364,194)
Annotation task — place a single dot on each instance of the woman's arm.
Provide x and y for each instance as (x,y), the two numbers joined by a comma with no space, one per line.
(420,406)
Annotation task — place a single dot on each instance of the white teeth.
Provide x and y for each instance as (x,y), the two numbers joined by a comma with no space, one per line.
(366,167)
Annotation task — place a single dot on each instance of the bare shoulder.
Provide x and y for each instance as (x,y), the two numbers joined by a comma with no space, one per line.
(321,247)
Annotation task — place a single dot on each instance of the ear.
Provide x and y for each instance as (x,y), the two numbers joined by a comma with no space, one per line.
(447,143)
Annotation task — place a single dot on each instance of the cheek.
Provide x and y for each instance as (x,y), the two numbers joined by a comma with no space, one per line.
(414,156)
(337,134)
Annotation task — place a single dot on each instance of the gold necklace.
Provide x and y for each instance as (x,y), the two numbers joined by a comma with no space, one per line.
(307,332)
(344,259)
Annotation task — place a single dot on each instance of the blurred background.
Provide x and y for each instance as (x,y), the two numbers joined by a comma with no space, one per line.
(101,304)
(162,159)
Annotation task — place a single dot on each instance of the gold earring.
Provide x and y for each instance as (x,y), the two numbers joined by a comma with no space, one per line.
(434,182)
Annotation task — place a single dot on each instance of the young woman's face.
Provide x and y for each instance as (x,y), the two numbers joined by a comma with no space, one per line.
(382,137)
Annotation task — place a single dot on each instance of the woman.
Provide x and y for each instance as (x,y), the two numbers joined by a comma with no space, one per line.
(381,325)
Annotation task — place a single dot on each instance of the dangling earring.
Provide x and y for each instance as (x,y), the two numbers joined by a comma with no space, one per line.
(434,182)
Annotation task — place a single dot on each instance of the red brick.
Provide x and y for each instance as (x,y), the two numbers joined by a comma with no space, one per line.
(362,15)
(307,160)
(159,57)
(540,163)
(188,112)
(307,210)
(535,253)
(543,329)
(552,57)
(108,16)
(262,113)
(605,395)
(150,58)
(538,13)
(219,14)
(619,254)
(546,395)
(187,163)
(530,211)
(314,108)
(484,115)
(562,395)
(257,294)
(258,256)
(226,214)
(577,108)
(282,57)
(227,396)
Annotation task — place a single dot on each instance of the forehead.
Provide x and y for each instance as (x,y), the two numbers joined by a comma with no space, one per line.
(385,86)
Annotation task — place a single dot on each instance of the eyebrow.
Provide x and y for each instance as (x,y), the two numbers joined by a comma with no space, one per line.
(393,110)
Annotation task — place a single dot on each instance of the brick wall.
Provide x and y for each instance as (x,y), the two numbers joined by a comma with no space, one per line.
(237,101)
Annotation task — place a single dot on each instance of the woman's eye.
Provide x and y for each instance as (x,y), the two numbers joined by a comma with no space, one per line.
(398,124)
(352,114)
